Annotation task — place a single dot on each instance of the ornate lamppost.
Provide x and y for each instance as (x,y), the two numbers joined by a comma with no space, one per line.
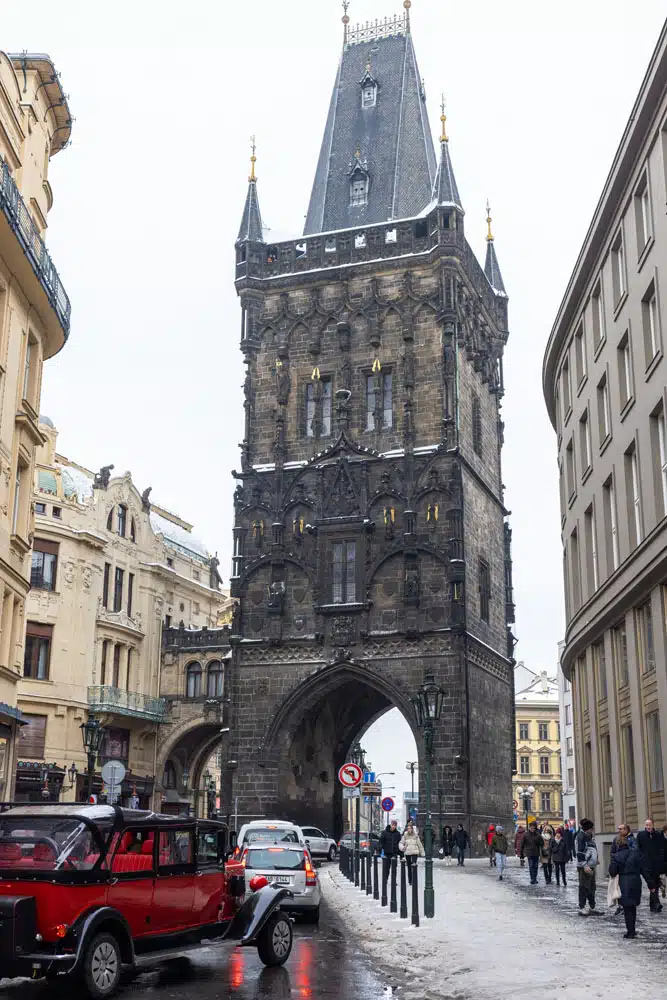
(92,734)
(428,708)
(526,794)
(207,783)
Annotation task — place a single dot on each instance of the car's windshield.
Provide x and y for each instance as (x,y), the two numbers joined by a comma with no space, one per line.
(46,843)
(282,859)
(271,835)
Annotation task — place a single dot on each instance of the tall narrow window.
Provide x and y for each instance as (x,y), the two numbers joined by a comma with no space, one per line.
(659,449)
(523,731)
(26,368)
(44,565)
(570,470)
(103,663)
(105,585)
(118,589)
(644,635)
(368,94)
(193,680)
(604,413)
(599,670)
(477,425)
(585,442)
(610,525)
(318,411)
(484,590)
(567,388)
(654,748)
(598,316)
(358,189)
(628,749)
(381,385)
(116,665)
(580,354)
(122,519)
(625,386)
(605,766)
(642,214)
(344,572)
(650,324)
(544,765)
(543,730)
(546,802)
(130,593)
(576,569)
(619,647)
(17,499)
(128,674)
(37,651)
(590,539)
(524,765)
(618,268)
(633,493)
(214,679)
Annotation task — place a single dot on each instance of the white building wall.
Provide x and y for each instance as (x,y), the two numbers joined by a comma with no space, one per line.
(567,742)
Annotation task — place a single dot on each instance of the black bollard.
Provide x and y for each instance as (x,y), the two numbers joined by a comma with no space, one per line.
(350,865)
(362,880)
(393,906)
(376,887)
(385,878)
(369,887)
(415,895)
(341,864)
(404,892)
(356,866)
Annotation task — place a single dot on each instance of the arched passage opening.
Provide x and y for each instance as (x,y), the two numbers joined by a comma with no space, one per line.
(191,778)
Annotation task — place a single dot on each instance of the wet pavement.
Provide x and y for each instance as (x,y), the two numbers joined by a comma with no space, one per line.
(324,965)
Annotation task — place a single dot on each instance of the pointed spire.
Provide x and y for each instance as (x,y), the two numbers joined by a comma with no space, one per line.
(251,223)
(491,267)
(445,191)
(346,21)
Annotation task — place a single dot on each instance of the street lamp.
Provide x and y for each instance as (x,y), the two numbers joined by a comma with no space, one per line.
(72,774)
(428,709)
(357,756)
(527,795)
(207,782)
(92,734)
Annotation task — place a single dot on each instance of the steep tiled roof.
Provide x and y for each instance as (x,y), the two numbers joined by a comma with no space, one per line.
(251,223)
(492,269)
(445,191)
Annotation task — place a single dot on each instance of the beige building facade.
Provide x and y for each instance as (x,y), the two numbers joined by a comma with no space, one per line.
(605,385)
(35,124)
(110,572)
(538,748)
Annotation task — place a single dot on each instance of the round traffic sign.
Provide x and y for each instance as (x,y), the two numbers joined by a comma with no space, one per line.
(388,804)
(113,772)
(350,775)
(515,804)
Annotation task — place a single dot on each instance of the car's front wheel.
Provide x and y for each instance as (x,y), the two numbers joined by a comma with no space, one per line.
(274,943)
(332,853)
(102,966)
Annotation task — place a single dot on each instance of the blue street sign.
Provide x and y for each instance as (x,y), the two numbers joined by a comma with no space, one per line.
(369,776)
(388,804)
(413,812)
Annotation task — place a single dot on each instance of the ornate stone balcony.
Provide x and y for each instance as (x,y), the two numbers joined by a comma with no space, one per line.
(16,212)
(175,639)
(103,698)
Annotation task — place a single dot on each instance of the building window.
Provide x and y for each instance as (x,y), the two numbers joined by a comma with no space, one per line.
(57,512)
(604,413)
(568,715)
(103,665)
(169,776)
(18,500)
(654,749)
(585,442)
(570,745)
(625,386)
(590,538)
(344,572)
(618,268)
(118,589)
(576,569)
(546,802)
(570,469)
(600,670)
(633,493)
(523,731)
(644,633)
(105,585)
(484,590)
(133,530)
(196,575)
(110,520)
(619,646)
(193,680)
(659,452)
(477,425)
(130,593)
(381,385)
(32,738)
(598,316)
(115,682)
(524,765)
(570,779)
(610,525)
(368,95)
(29,349)
(628,747)
(543,728)
(40,508)
(116,744)
(214,679)
(580,355)
(318,411)
(44,565)
(605,767)
(195,607)
(358,189)
(567,388)
(170,562)
(650,324)
(121,519)
(643,214)
(37,653)
(544,765)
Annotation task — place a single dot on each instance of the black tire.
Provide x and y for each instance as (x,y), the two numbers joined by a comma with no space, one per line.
(102,966)
(312,916)
(274,943)
(332,853)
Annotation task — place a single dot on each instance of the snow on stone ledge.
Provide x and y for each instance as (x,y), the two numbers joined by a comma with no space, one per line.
(174,535)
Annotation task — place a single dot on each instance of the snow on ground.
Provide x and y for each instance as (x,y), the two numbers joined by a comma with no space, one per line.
(505,940)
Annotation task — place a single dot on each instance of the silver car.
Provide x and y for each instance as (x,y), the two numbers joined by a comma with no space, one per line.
(320,845)
(288,865)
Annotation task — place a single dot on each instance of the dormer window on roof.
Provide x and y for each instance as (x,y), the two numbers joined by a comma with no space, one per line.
(359,182)
(369,90)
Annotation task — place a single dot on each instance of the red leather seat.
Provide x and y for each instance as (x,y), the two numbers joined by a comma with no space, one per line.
(10,854)
(147,847)
(43,856)
(132,863)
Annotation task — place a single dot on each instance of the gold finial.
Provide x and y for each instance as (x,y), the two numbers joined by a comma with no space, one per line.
(407,4)
(346,20)
(489,234)
(253,159)
(315,377)
(377,367)
(443,119)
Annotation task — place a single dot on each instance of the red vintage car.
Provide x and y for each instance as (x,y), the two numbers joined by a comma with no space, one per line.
(86,891)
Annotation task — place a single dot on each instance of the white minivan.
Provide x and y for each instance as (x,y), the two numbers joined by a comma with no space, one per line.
(268,831)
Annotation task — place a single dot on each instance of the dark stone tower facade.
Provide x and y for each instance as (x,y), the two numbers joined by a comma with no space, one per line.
(370,541)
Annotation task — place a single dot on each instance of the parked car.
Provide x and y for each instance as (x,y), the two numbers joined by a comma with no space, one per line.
(321,846)
(268,831)
(288,866)
(87,890)
(367,842)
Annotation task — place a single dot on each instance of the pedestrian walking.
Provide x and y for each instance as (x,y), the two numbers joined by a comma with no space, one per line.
(627,862)
(569,840)
(559,855)
(545,857)
(447,844)
(519,838)
(489,837)
(390,838)
(587,861)
(499,846)
(411,846)
(651,845)
(624,832)
(461,841)
(532,845)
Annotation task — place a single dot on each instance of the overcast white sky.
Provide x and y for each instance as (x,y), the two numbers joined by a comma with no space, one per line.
(148,199)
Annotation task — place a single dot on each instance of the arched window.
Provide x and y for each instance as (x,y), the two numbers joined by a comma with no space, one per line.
(169,776)
(133,530)
(110,520)
(214,679)
(193,680)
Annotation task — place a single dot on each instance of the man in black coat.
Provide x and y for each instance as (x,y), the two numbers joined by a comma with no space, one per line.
(651,844)
(461,841)
(390,839)
(532,845)
(569,842)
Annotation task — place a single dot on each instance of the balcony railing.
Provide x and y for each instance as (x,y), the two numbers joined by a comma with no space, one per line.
(196,638)
(21,221)
(103,698)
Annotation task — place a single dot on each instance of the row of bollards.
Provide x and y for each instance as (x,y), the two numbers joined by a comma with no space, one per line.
(360,869)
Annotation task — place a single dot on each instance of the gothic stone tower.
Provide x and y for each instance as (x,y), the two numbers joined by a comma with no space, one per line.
(370,542)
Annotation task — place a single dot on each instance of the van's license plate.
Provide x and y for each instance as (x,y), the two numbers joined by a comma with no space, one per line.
(282,879)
